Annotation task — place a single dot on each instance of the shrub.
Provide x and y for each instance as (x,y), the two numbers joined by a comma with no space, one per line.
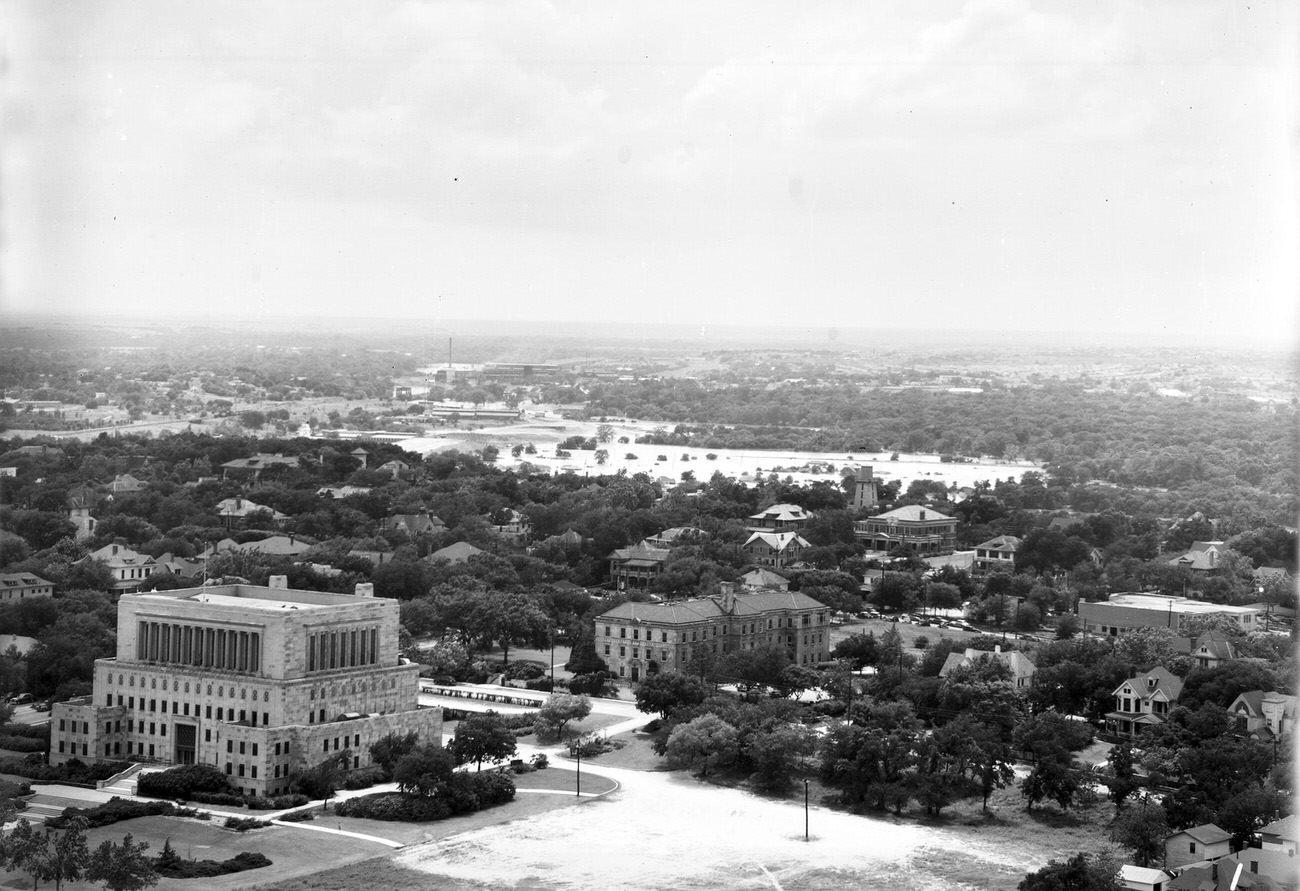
(524,671)
(176,868)
(243,824)
(184,782)
(117,809)
(24,744)
(73,771)
(226,799)
(540,761)
(299,816)
(539,684)
(29,731)
(364,778)
(278,803)
(465,793)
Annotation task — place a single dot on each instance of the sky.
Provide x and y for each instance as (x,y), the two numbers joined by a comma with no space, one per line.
(992,165)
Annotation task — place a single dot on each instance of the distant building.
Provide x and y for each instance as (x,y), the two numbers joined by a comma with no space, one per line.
(1270,715)
(130,569)
(779,518)
(394,468)
(272,545)
(1123,613)
(457,552)
(1022,670)
(253,467)
(258,682)
(775,549)
(1202,556)
(23,586)
(1144,701)
(676,535)
(1207,650)
(923,529)
(996,554)
(1205,842)
(641,639)
(342,491)
(124,484)
(233,510)
(80,502)
(866,492)
(414,524)
(637,566)
(761,578)
(1142,878)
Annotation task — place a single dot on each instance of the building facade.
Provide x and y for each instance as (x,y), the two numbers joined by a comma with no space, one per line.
(996,554)
(258,682)
(779,518)
(23,586)
(130,568)
(1123,613)
(637,640)
(923,529)
(775,549)
(1144,701)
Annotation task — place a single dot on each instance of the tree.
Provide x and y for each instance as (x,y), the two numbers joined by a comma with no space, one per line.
(896,591)
(702,744)
(668,691)
(1143,829)
(388,750)
(321,780)
(861,649)
(482,736)
(776,754)
(557,712)
(1145,647)
(24,850)
(424,770)
(1123,780)
(125,866)
(504,617)
(49,855)
(1082,872)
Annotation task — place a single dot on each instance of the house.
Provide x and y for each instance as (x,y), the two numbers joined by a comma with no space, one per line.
(1144,701)
(22,586)
(1143,878)
(361,455)
(394,468)
(779,518)
(568,540)
(996,554)
(233,510)
(255,681)
(637,566)
(80,502)
(1249,868)
(181,567)
(129,569)
(1207,650)
(641,639)
(514,524)
(676,535)
(272,545)
(414,524)
(124,484)
(253,467)
(776,549)
(1069,521)
(1202,556)
(1205,842)
(1264,714)
(1280,835)
(1022,670)
(342,491)
(922,529)
(458,552)
(760,578)
(1122,613)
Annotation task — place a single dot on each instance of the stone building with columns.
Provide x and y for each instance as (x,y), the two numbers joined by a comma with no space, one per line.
(256,681)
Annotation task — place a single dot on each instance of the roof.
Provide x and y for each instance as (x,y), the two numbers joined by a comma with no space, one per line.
(242,507)
(1177,605)
(243,597)
(1203,555)
(1142,875)
(276,545)
(1283,828)
(119,555)
(677,532)
(777,541)
(785,513)
(1018,663)
(457,552)
(261,460)
(21,580)
(1165,682)
(1206,834)
(641,552)
(764,578)
(912,513)
(696,609)
(1001,543)
(1252,699)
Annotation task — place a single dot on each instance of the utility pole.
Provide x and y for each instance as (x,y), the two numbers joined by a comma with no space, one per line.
(578,790)
(805,809)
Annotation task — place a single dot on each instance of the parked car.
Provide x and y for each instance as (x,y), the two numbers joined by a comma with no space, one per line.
(42,706)
(21,699)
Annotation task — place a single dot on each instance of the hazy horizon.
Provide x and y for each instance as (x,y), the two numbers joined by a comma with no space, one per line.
(1112,172)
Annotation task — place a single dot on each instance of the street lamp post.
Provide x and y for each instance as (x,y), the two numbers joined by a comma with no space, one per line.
(552,658)
(578,791)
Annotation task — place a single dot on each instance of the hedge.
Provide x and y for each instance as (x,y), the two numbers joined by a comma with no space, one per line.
(206,869)
(24,744)
(117,809)
(243,824)
(74,771)
(183,782)
(465,793)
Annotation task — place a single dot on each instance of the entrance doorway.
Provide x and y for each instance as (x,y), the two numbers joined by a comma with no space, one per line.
(186,743)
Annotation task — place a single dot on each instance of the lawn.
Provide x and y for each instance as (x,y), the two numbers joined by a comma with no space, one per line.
(293,851)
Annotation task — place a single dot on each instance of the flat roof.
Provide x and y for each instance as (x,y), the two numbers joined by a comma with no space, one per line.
(251,597)
(1178,604)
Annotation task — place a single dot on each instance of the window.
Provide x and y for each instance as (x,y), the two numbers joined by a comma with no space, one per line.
(207,734)
(622,651)
(241,770)
(622,632)
(1191,847)
(607,631)
(254,748)
(230,746)
(606,649)
(266,718)
(242,747)
(207,712)
(636,633)
(254,771)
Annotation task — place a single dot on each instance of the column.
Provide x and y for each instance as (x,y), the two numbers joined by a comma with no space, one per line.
(311,652)
(374,644)
(255,659)
(141,639)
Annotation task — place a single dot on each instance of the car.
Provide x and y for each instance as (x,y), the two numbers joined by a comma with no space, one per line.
(21,699)
(42,706)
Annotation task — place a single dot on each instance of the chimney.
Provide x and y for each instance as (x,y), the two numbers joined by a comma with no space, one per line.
(728,591)
(278,581)
(997,648)
(365,589)
(922,515)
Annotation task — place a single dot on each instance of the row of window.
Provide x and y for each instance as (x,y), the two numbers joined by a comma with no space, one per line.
(745,628)
(130,681)
(183,708)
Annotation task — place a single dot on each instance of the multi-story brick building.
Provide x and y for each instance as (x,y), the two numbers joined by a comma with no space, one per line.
(637,640)
(923,529)
(256,681)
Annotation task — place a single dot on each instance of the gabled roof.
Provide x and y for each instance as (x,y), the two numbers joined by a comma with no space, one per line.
(912,513)
(1284,828)
(785,513)
(764,578)
(1165,682)
(119,555)
(1203,555)
(21,580)
(696,609)
(1252,700)
(272,545)
(1015,661)
(458,552)
(639,551)
(1206,834)
(1001,543)
(261,460)
(777,541)
(1142,875)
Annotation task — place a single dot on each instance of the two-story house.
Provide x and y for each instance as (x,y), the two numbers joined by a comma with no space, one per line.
(1022,670)
(23,585)
(1144,701)
(996,554)
(1205,842)
(1265,714)
(637,566)
(775,549)
(130,569)
(779,518)
(923,529)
